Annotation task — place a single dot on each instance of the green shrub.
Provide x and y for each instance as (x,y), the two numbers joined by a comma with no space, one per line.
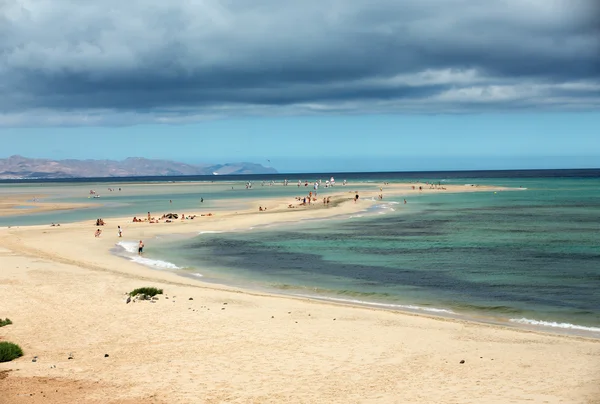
(9,351)
(4,322)
(146,291)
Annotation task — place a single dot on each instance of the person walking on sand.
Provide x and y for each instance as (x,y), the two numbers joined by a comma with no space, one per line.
(120,232)
(141,247)
(98,233)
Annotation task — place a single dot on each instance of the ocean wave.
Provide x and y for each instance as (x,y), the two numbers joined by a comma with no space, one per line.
(386,305)
(154,263)
(210,232)
(553,324)
(385,206)
(129,246)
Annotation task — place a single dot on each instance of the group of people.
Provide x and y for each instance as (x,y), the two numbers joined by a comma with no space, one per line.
(168,218)
(308,199)
(431,186)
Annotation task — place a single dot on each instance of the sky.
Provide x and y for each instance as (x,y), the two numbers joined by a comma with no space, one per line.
(327,85)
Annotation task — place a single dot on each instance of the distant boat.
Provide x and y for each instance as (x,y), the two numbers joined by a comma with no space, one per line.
(215,173)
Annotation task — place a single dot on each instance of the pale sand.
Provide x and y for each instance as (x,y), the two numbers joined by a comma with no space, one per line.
(65,294)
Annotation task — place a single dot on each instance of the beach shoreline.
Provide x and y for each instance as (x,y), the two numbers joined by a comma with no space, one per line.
(73,280)
(279,215)
(554,328)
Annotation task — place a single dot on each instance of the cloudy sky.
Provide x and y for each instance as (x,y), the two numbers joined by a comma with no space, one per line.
(100,69)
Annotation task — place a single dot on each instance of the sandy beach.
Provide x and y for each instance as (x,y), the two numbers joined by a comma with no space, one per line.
(204,343)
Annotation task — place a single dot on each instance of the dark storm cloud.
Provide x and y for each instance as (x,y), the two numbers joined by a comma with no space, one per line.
(83,62)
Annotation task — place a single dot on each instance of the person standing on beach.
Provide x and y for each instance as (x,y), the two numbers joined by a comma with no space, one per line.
(119,231)
(141,247)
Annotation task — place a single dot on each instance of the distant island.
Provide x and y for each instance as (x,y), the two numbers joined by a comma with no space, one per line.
(19,167)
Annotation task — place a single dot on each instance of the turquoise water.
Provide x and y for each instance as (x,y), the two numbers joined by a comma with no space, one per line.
(530,255)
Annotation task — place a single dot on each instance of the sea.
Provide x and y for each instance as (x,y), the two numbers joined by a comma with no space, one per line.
(526,257)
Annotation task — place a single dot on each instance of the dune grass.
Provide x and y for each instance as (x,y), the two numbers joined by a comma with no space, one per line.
(9,351)
(146,291)
(4,322)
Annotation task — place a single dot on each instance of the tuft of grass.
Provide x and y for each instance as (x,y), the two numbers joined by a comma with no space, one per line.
(9,351)
(146,291)
(4,322)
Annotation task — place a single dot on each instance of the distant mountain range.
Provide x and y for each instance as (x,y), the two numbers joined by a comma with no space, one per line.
(19,167)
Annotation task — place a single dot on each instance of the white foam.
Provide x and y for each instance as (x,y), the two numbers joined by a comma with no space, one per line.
(527,321)
(196,274)
(132,248)
(154,263)
(129,246)
(387,305)
(210,232)
(355,216)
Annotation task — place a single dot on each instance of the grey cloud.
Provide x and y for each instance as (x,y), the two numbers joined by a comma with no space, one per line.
(81,62)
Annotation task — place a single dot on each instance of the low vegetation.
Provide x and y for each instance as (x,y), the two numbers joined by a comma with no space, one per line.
(9,351)
(146,291)
(4,322)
